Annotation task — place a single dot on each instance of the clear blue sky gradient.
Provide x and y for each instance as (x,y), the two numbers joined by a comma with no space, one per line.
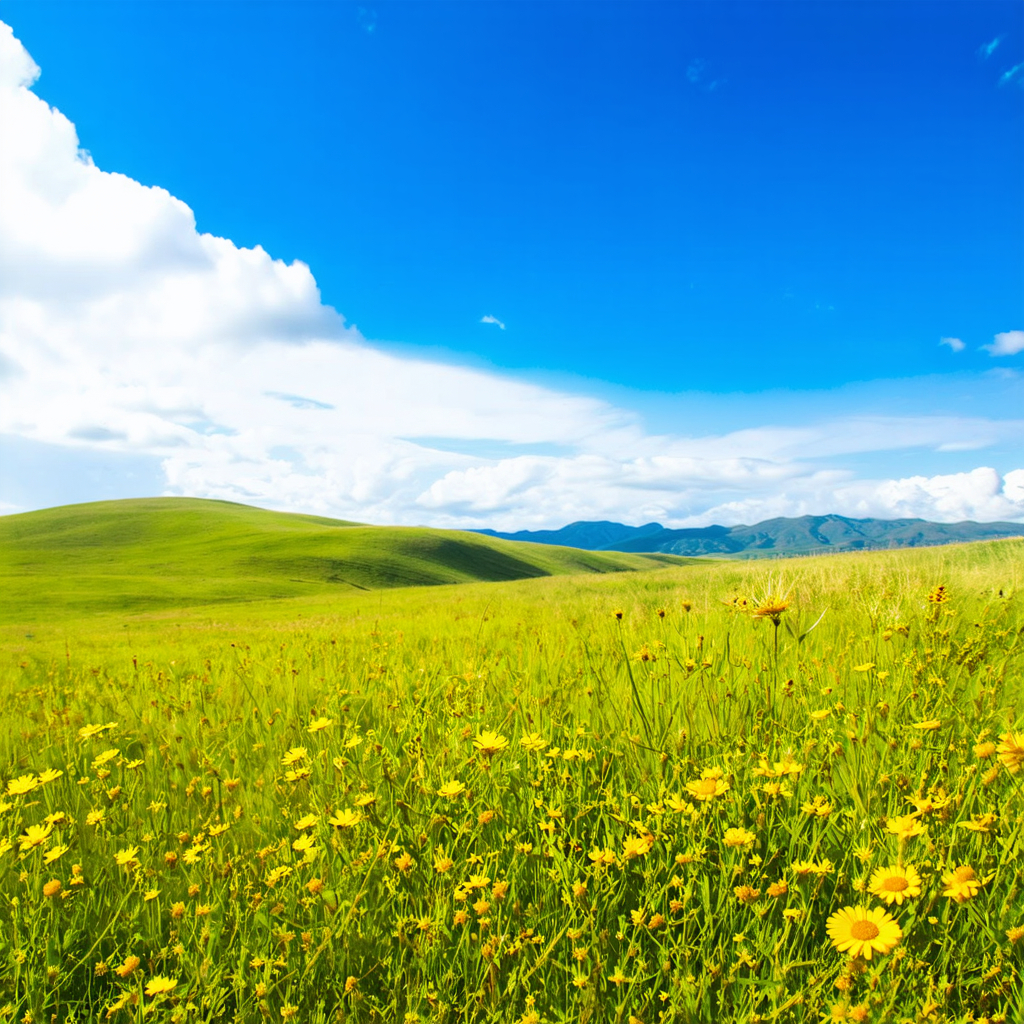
(667,196)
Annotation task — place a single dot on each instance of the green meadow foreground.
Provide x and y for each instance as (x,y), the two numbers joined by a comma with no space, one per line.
(709,792)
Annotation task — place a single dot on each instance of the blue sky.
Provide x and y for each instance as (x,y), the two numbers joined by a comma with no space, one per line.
(708,218)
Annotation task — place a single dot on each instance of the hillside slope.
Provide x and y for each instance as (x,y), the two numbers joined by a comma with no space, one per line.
(798,536)
(156,553)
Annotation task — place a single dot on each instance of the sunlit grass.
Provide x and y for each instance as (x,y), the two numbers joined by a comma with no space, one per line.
(507,802)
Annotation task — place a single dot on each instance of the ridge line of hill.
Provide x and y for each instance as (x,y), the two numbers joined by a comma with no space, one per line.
(780,536)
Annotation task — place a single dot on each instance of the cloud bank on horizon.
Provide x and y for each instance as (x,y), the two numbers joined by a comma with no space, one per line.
(124,331)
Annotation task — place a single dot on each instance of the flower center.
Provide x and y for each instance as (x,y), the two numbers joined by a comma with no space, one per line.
(707,786)
(895,883)
(864,931)
(964,874)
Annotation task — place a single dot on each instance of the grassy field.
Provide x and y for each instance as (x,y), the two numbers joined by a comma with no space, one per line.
(711,792)
(152,553)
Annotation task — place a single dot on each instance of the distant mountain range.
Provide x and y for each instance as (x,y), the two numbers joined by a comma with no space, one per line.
(803,535)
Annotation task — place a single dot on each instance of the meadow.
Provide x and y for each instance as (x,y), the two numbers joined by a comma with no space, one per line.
(722,791)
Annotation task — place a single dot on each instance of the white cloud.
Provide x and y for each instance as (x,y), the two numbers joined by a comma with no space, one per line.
(987,49)
(1012,73)
(1009,343)
(954,343)
(981,495)
(127,334)
(492,320)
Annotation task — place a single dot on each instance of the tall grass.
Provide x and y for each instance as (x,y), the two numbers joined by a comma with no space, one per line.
(601,799)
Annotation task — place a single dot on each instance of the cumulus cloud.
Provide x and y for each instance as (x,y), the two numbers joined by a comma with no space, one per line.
(1009,343)
(492,320)
(127,334)
(954,343)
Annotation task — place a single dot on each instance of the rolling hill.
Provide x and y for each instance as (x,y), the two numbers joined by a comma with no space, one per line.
(148,554)
(800,536)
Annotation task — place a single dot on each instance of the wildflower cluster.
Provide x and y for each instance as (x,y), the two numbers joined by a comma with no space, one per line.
(429,823)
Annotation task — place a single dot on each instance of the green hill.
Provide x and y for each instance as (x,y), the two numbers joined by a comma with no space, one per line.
(150,554)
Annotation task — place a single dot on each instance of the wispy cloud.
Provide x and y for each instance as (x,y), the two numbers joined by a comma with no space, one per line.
(1013,74)
(954,343)
(987,49)
(492,320)
(366,18)
(697,75)
(1009,343)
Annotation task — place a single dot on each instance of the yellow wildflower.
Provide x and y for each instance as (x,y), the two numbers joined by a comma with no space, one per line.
(905,826)
(533,742)
(127,858)
(490,743)
(709,785)
(863,932)
(129,965)
(978,822)
(22,785)
(35,835)
(961,884)
(159,985)
(895,884)
(1011,751)
(304,844)
(738,837)
(637,846)
(345,819)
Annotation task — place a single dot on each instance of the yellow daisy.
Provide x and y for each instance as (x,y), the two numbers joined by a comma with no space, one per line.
(35,835)
(1011,751)
(128,857)
(55,854)
(738,837)
(22,785)
(346,819)
(637,846)
(863,932)
(490,743)
(708,786)
(159,985)
(895,884)
(905,826)
(961,884)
